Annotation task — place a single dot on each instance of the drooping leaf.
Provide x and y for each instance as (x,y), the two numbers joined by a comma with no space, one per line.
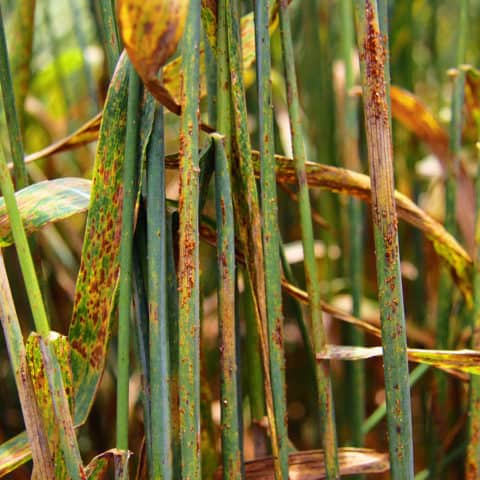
(98,466)
(87,133)
(466,361)
(309,465)
(150,32)
(413,114)
(46,202)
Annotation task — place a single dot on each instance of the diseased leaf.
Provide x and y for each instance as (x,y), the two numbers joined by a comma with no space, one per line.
(97,278)
(151,31)
(37,440)
(87,133)
(44,394)
(309,465)
(466,361)
(46,202)
(358,185)
(14,453)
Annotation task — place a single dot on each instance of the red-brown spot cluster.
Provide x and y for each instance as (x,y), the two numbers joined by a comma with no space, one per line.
(374,56)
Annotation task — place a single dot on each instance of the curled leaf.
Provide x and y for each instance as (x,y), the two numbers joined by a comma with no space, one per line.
(46,202)
(151,30)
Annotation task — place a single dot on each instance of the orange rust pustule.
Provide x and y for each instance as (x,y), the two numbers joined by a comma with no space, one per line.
(374,55)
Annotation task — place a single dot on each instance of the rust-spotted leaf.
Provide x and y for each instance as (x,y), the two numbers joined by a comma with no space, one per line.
(151,31)
(43,393)
(97,278)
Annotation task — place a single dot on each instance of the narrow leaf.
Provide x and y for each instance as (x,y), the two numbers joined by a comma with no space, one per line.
(310,465)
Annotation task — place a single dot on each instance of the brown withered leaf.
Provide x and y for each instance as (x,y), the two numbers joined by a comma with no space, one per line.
(309,465)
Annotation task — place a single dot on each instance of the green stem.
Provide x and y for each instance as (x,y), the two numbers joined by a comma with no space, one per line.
(125,282)
(381,410)
(355,389)
(318,333)
(157,299)
(231,451)
(188,269)
(271,243)
(380,154)
(247,211)
(23,250)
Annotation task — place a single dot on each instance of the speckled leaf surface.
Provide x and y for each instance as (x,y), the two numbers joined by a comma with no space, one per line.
(151,31)
(97,278)
(14,453)
(44,399)
(46,202)
(99,268)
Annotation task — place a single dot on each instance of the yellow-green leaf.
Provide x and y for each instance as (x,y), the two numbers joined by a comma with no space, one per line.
(151,31)
(46,202)
(466,361)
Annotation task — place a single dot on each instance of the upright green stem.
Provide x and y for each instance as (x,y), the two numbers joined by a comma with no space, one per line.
(125,282)
(231,409)
(325,399)
(8,93)
(188,269)
(23,250)
(355,390)
(248,215)
(380,153)
(157,300)
(231,451)
(271,243)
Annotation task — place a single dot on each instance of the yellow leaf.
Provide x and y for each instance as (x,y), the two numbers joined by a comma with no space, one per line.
(151,31)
